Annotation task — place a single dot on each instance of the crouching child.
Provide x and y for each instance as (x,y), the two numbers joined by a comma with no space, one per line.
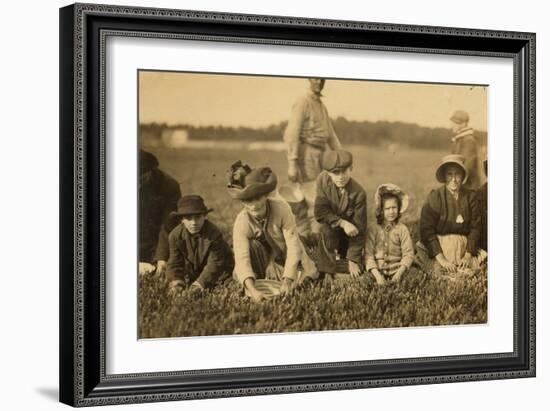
(341,209)
(265,241)
(199,256)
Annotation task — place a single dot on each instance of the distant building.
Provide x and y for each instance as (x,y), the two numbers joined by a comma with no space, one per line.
(175,138)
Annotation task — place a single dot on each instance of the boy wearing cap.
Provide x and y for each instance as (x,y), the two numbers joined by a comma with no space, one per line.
(265,241)
(199,256)
(465,144)
(341,209)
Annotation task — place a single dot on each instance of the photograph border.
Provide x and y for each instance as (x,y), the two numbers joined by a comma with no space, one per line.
(84,29)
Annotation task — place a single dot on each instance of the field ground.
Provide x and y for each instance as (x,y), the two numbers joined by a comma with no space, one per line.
(419,300)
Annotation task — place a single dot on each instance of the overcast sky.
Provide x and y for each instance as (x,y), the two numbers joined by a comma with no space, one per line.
(254,101)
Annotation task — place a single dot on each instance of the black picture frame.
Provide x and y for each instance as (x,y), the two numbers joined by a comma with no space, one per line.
(83,30)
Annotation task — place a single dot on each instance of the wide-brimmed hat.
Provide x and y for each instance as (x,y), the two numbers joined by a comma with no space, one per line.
(454,159)
(191,205)
(147,161)
(247,183)
(389,188)
(291,193)
(460,116)
(336,160)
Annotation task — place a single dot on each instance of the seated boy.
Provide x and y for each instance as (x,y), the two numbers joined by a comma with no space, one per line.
(265,241)
(199,256)
(341,209)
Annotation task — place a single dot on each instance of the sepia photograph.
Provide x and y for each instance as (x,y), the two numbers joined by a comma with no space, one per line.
(271,204)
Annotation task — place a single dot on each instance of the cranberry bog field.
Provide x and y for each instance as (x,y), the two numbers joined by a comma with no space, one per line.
(420,299)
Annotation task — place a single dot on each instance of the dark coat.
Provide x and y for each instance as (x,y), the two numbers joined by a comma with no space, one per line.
(203,257)
(157,198)
(439,216)
(331,206)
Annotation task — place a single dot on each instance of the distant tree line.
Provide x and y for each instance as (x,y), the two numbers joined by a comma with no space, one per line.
(380,133)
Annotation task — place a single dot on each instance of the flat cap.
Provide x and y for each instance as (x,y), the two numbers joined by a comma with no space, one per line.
(460,116)
(336,160)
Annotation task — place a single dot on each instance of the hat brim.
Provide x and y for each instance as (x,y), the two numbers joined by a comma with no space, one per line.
(391,189)
(254,190)
(440,172)
(190,213)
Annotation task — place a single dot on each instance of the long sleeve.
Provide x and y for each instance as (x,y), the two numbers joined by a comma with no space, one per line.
(241,248)
(322,208)
(163,248)
(357,243)
(293,247)
(428,224)
(215,263)
(176,262)
(293,129)
(407,247)
(162,251)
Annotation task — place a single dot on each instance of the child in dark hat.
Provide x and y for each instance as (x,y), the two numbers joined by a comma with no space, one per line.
(341,209)
(199,256)
(265,241)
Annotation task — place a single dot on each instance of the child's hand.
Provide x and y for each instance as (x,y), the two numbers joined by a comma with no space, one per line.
(196,288)
(286,286)
(354,269)
(161,268)
(397,276)
(146,268)
(349,228)
(380,280)
(256,295)
(176,287)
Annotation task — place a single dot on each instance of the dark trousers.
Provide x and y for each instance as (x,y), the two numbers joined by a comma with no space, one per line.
(336,240)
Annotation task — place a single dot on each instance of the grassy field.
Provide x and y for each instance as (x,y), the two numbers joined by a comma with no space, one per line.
(419,300)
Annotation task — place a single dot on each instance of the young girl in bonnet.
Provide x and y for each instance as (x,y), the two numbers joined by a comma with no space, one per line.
(390,250)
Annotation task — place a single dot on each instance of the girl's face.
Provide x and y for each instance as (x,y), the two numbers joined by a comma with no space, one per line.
(454,176)
(256,207)
(391,209)
(194,223)
(340,178)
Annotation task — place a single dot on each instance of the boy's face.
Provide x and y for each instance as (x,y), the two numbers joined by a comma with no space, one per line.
(456,127)
(193,223)
(340,177)
(256,207)
(391,209)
